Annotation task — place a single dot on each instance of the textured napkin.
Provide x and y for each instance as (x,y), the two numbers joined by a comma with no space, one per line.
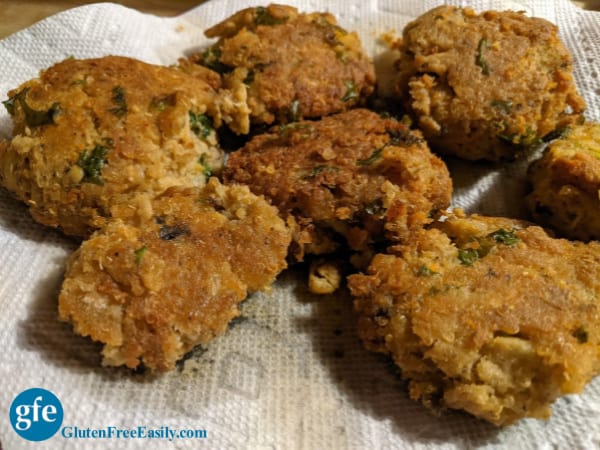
(290,373)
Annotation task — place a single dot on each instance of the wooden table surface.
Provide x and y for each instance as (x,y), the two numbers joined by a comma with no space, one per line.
(18,14)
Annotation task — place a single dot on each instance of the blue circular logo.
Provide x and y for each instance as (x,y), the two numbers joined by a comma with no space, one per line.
(36,414)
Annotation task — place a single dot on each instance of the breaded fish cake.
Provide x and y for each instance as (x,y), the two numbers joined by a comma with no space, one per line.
(150,289)
(486,86)
(566,184)
(353,174)
(295,65)
(487,315)
(89,134)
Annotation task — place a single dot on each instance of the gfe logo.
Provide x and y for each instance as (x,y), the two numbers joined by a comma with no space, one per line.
(36,414)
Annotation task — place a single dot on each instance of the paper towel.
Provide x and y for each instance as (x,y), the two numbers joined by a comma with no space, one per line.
(290,373)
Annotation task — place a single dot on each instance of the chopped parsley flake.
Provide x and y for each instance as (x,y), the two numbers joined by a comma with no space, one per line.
(371,159)
(503,105)
(286,129)
(467,256)
(351,92)
(92,163)
(139,254)
(118,99)
(211,60)
(200,124)
(168,232)
(318,169)
(161,103)
(263,17)
(294,111)
(505,237)
(375,207)
(425,271)
(206,169)
(33,118)
(480,59)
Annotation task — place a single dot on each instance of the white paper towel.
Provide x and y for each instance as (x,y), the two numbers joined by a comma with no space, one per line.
(290,373)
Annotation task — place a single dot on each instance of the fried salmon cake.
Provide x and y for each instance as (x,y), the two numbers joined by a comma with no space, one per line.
(150,289)
(353,175)
(89,134)
(486,86)
(566,184)
(295,65)
(487,315)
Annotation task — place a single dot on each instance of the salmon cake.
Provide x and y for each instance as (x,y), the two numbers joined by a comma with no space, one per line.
(353,178)
(486,86)
(294,65)
(565,183)
(151,289)
(90,134)
(487,315)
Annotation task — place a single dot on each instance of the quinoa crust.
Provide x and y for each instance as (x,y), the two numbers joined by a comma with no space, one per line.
(486,86)
(89,134)
(487,315)
(353,174)
(152,289)
(295,65)
(565,182)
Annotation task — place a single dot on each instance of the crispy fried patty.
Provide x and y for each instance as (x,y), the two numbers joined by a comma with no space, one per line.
(89,134)
(294,65)
(353,174)
(488,315)
(566,184)
(150,289)
(486,86)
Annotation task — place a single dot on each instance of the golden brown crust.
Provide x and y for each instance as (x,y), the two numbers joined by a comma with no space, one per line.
(485,86)
(89,134)
(294,65)
(488,315)
(151,289)
(566,184)
(352,174)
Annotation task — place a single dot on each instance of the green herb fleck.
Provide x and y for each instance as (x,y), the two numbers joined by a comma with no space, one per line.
(371,159)
(318,169)
(467,256)
(425,271)
(263,17)
(286,129)
(294,111)
(139,254)
(92,163)
(258,68)
(504,105)
(118,97)
(211,59)
(161,103)
(528,139)
(480,59)
(505,237)
(10,103)
(170,232)
(375,207)
(351,92)
(33,118)
(206,169)
(402,137)
(581,335)
(200,124)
